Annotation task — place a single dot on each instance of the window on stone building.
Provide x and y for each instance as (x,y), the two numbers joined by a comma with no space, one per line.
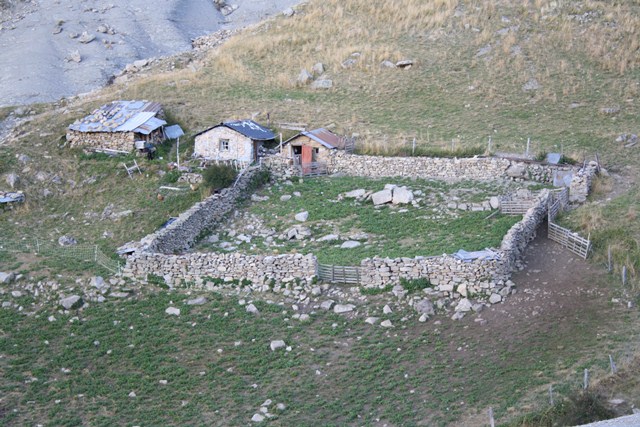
(224,145)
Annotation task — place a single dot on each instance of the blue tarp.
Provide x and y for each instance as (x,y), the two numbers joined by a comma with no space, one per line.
(487,254)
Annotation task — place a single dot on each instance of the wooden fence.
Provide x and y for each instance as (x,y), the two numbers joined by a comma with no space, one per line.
(515,207)
(339,274)
(312,169)
(570,240)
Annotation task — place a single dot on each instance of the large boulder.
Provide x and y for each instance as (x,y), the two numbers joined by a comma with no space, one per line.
(6,278)
(516,171)
(382,197)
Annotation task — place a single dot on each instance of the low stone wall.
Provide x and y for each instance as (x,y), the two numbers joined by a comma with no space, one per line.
(119,141)
(259,270)
(181,234)
(581,183)
(455,277)
(475,168)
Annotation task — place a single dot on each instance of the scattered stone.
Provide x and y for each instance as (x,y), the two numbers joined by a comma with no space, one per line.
(382,197)
(285,198)
(402,195)
(288,12)
(425,307)
(348,63)
(6,278)
(386,309)
(322,83)
(386,324)
(495,298)
(343,308)
(387,64)
(610,110)
(371,320)
(277,344)
(257,418)
(350,244)
(281,407)
(86,38)
(304,317)
(197,301)
(12,180)
(71,302)
(74,56)
(464,305)
(326,305)
(494,202)
(423,318)
(532,84)
(132,394)
(256,198)
(16,294)
(252,309)
(98,283)
(173,311)
(404,64)
(67,241)
(302,216)
(305,77)
(483,51)
(328,237)
(355,194)
(318,69)
(316,291)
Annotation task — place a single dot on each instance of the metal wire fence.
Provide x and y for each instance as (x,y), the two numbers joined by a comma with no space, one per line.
(83,253)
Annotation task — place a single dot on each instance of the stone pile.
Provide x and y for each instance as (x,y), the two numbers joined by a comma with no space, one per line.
(118,141)
(581,183)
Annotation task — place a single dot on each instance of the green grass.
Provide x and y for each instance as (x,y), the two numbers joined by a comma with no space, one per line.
(119,347)
(427,230)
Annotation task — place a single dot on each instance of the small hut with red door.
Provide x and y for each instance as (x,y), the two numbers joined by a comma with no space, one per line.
(311,150)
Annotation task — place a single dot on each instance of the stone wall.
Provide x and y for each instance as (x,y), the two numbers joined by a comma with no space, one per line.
(260,270)
(455,277)
(581,183)
(119,141)
(181,234)
(475,168)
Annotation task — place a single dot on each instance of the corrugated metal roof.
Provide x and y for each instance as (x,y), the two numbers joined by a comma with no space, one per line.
(173,131)
(150,125)
(248,128)
(119,116)
(322,136)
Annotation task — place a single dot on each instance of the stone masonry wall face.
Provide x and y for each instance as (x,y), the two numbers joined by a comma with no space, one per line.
(207,145)
(120,141)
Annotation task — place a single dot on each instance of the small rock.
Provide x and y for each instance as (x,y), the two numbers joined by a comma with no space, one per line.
(257,418)
(387,64)
(304,77)
(386,324)
(281,407)
(464,305)
(316,291)
(252,309)
(328,237)
(404,64)
(350,244)
(288,12)
(343,308)
(71,302)
(326,305)
(277,344)
(16,294)
(67,241)
(371,320)
(318,68)
(495,298)
(197,301)
(322,83)
(86,38)
(173,311)
(532,84)
(386,309)
(285,198)
(12,180)
(6,278)
(423,318)
(494,202)
(382,197)
(302,216)
(425,307)
(132,394)
(74,56)
(355,194)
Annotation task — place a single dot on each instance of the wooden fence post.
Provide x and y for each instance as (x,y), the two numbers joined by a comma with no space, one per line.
(586,380)
(614,369)
(492,422)
(609,266)
(624,275)
(551,395)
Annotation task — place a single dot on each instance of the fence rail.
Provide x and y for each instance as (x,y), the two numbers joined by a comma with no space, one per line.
(312,169)
(339,274)
(44,248)
(515,207)
(570,240)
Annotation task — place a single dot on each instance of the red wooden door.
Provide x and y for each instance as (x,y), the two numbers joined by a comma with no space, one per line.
(307,158)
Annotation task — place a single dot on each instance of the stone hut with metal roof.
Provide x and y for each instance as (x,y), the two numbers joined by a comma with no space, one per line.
(314,146)
(118,125)
(238,140)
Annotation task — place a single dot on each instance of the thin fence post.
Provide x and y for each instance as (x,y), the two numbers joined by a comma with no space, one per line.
(528,143)
(489,146)
(609,266)
(624,275)
(585,384)
(551,395)
(614,369)
(95,253)
(413,148)
(492,422)
(37,246)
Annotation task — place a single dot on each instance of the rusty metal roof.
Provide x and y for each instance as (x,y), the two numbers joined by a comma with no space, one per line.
(322,136)
(122,116)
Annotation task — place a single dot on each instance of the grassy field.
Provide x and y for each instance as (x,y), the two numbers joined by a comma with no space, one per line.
(219,369)
(564,73)
(392,231)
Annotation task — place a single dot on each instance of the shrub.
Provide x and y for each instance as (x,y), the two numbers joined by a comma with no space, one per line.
(217,177)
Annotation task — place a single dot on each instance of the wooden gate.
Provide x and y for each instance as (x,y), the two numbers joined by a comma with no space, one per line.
(570,240)
(339,274)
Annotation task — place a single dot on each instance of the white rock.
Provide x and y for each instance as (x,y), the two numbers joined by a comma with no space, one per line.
(355,194)
(382,197)
(328,238)
(423,318)
(424,307)
(386,324)
(257,418)
(494,202)
(281,407)
(285,198)
(495,298)
(326,305)
(386,309)
(132,394)
(302,216)
(6,278)
(173,311)
(17,294)
(316,291)
(197,301)
(464,305)
(343,308)
(252,309)
(350,244)
(304,317)
(277,344)
(401,195)
(462,289)
(371,320)
(70,302)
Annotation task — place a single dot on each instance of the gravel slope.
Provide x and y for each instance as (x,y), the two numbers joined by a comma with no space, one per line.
(34,53)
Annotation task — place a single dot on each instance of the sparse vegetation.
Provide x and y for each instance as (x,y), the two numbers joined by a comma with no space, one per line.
(219,176)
